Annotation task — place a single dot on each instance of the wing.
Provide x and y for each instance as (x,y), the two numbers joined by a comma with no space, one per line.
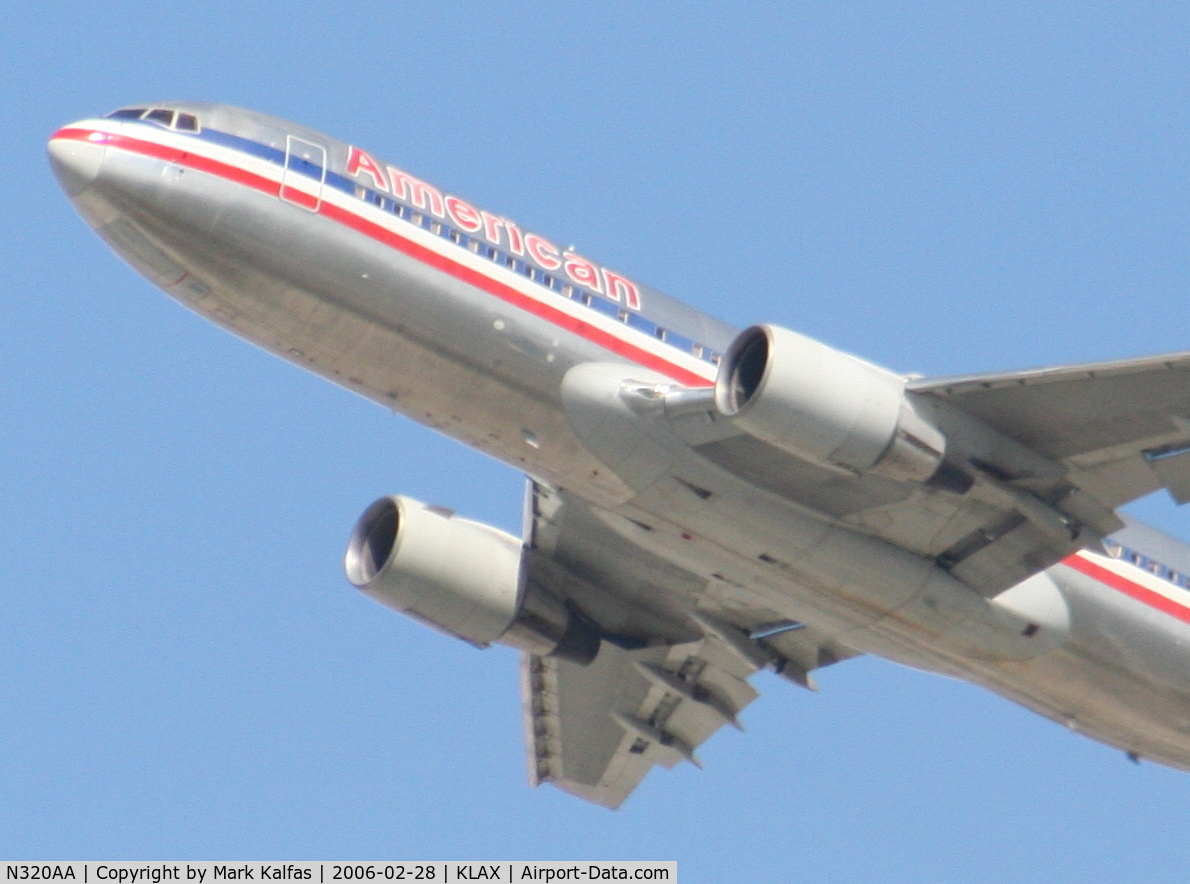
(596,731)
(671,669)
(1122,429)
(1051,454)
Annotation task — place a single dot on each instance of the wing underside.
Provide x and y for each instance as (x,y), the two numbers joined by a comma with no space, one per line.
(596,731)
(1121,428)
(1055,452)
(670,674)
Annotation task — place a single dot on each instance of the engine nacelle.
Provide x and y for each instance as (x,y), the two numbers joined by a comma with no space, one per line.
(461,577)
(825,406)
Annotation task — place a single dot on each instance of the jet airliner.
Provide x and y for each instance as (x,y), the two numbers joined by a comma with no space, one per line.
(702,502)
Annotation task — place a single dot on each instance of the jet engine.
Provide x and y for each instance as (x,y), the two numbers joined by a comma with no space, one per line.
(461,577)
(825,406)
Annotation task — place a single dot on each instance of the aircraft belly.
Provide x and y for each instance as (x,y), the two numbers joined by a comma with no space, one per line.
(354,311)
(860,589)
(1122,676)
(1135,668)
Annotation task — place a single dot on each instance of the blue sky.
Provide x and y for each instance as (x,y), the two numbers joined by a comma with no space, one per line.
(941,187)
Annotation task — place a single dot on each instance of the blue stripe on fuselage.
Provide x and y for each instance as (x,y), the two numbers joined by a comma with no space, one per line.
(340,182)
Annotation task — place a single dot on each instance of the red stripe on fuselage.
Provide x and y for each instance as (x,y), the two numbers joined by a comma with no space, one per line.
(1128,587)
(393,240)
(173,155)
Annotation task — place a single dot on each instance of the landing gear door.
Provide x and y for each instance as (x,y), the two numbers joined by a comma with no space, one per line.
(305,173)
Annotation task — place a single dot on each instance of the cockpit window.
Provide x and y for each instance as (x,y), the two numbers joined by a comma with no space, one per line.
(162,116)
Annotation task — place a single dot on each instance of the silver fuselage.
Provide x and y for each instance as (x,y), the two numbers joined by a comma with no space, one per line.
(308,248)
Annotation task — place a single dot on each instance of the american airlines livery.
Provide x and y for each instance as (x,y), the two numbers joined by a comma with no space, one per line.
(702,502)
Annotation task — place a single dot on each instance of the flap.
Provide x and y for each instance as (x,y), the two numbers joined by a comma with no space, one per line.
(595,731)
(672,667)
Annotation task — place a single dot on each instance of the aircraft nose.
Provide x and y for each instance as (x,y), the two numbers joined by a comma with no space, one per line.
(75,162)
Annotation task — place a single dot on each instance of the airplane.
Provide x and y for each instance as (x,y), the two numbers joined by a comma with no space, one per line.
(702,503)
